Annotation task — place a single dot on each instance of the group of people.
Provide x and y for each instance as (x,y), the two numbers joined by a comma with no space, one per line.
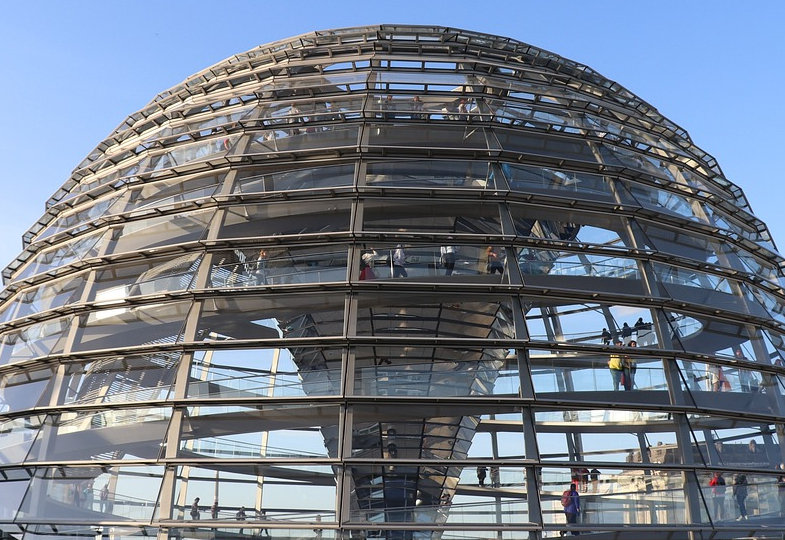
(643,332)
(718,380)
(482,474)
(84,496)
(623,367)
(739,492)
(491,261)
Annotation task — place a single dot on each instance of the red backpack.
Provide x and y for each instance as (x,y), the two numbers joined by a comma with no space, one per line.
(565,499)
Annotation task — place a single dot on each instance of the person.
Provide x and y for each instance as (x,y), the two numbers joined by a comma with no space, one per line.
(643,332)
(104,498)
(295,118)
(214,509)
(571,501)
(495,480)
(605,336)
(87,495)
(481,473)
(366,271)
(261,515)
(448,259)
(595,480)
(261,265)
(781,490)
(616,366)
(240,516)
(495,261)
(318,531)
(195,509)
(717,484)
(747,379)
(630,367)
(740,494)
(583,475)
(417,107)
(716,377)
(399,262)
(753,447)
(626,333)
(463,109)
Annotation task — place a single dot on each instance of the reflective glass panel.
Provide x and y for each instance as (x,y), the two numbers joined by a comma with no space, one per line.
(435,371)
(261,432)
(286,219)
(265,373)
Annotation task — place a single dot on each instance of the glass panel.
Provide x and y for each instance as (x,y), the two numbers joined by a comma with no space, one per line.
(619,497)
(114,284)
(129,326)
(16,438)
(121,379)
(431,217)
(717,292)
(63,254)
(385,315)
(162,231)
(286,219)
(433,263)
(572,184)
(691,245)
(433,136)
(737,444)
(24,390)
(278,266)
(265,373)
(432,174)
(588,323)
(702,334)
(15,484)
(743,389)
(262,432)
(603,435)
(299,138)
(277,494)
(75,494)
(172,191)
(667,201)
(743,496)
(34,341)
(307,115)
(603,230)
(51,295)
(449,431)
(580,271)
(201,150)
(435,371)
(536,145)
(271,317)
(572,376)
(264,180)
(447,495)
(84,215)
(111,434)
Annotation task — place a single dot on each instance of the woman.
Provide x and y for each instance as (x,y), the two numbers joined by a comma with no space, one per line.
(740,494)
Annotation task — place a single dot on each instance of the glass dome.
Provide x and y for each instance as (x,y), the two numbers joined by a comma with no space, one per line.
(395,282)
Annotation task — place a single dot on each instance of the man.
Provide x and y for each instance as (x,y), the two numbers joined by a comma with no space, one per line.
(571,501)
(195,509)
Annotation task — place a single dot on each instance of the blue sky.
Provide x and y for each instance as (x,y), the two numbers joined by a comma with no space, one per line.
(72,71)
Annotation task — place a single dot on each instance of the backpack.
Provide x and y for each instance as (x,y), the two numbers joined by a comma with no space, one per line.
(565,499)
